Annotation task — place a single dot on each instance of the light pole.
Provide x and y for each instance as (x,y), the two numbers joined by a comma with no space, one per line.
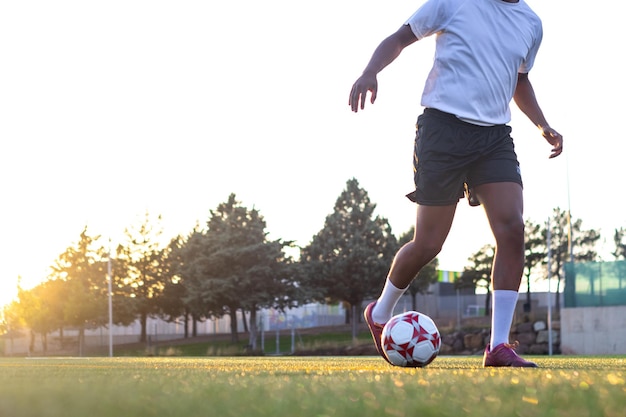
(549,243)
(570,244)
(110,290)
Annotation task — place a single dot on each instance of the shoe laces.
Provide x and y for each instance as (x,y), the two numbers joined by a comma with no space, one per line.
(513,345)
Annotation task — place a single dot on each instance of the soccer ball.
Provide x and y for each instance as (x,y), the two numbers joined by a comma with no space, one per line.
(411,340)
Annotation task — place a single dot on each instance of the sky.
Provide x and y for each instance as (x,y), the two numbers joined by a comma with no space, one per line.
(113,109)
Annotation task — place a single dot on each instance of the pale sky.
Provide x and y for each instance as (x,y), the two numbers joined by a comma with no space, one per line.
(109,109)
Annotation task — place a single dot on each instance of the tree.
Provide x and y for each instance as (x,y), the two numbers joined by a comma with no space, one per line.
(78,285)
(141,264)
(172,305)
(233,266)
(620,243)
(582,245)
(348,258)
(36,311)
(268,281)
(427,276)
(188,263)
(478,274)
(535,253)
(12,323)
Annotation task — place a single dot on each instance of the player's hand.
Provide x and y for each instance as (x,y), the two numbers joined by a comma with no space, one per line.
(554,138)
(366,82)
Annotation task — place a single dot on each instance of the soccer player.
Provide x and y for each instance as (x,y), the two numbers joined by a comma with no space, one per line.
(484,51)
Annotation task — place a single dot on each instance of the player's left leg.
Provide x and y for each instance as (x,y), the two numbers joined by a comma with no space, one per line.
(503,204)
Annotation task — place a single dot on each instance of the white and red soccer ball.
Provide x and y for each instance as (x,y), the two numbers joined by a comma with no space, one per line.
(411,340)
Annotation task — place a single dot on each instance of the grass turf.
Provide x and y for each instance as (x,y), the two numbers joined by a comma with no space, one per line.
(305,386)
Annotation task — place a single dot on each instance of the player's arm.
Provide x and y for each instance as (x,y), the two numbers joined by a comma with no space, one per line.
(526,100)
(388,50)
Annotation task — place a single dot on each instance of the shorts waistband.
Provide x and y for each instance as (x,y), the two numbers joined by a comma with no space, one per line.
(448,118)
(435,112)
(452,117)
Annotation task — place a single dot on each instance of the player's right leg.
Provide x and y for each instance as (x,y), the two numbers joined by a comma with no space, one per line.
(432,226)
(431,229)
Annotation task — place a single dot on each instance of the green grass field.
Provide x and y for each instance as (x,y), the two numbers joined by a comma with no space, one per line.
(309,386)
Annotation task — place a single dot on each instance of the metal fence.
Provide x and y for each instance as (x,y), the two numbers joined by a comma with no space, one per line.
(447,306)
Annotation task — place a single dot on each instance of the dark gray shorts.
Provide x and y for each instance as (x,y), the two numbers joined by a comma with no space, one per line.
(452,157)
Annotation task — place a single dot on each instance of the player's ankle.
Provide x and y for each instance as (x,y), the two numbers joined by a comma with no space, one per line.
(379,318)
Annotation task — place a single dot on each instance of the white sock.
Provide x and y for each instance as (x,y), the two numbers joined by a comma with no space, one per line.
(389,297)
(503,309)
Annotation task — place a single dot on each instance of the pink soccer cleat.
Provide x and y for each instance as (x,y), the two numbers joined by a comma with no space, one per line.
(504,355)
(376,329)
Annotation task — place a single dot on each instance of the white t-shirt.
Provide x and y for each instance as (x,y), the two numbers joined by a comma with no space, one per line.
(480,48)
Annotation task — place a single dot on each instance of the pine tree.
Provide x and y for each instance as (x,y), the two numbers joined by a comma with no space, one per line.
(347,261)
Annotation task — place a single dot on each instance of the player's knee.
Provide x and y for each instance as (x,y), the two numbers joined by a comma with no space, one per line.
(510,231)
(425,249)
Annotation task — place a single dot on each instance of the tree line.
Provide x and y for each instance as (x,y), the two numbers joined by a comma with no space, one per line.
(229,265)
